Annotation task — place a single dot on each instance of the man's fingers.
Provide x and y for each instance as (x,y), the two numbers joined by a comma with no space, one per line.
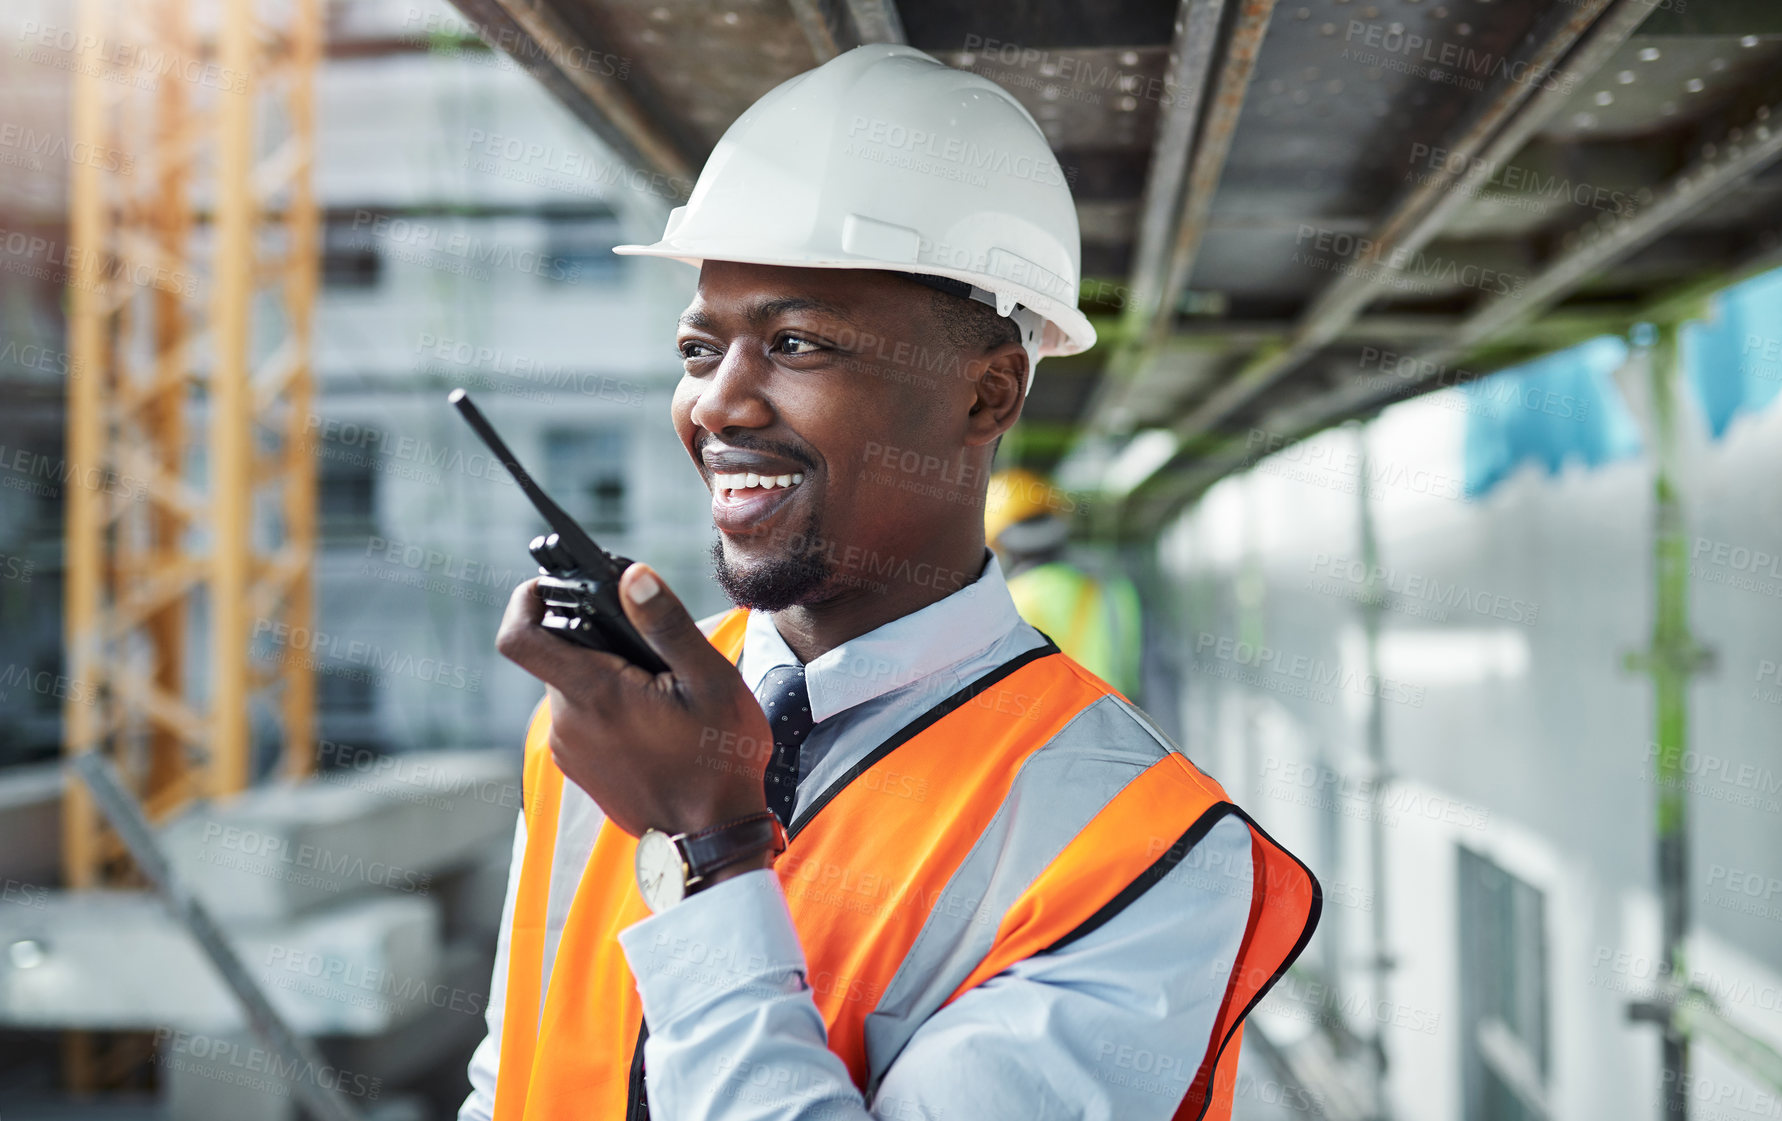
(522,641)
(658,615)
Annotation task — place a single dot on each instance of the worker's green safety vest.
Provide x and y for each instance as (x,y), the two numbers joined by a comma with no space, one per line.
(1094,622)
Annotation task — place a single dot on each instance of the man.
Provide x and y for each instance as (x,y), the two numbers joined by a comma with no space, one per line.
(1095,621)
(871,847)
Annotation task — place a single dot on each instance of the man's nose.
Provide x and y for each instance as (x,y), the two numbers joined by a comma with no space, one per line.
(735,396)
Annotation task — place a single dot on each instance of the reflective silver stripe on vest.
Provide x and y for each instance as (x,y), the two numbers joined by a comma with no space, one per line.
(579,821)
(1057,791)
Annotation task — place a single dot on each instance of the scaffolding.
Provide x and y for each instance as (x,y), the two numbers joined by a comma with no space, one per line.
(190,310)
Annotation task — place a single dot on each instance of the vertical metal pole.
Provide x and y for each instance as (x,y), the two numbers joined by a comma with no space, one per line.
(85,518)
(168,776)
(301,266)
(231,466)
(1373,597)
(1252,620)
(1673,658)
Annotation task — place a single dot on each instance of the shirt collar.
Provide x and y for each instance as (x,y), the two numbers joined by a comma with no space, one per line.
(905,650)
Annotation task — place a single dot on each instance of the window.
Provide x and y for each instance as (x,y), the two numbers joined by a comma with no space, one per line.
(346,691)
(346,488)
(580,249)
(586,472)
(350,259)
(1503,993)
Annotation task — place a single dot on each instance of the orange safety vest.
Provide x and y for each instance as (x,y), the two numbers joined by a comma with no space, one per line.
(590,1022)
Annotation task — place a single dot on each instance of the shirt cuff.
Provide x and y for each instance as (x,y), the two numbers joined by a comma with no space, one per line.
(737,935)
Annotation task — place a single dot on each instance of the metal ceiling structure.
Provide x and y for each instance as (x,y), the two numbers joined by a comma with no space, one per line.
(1294,212)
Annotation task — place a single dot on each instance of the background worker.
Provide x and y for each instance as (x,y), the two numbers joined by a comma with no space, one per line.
(1093,619)
(871,847)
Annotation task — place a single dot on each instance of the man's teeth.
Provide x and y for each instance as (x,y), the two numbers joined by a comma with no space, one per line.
(750,479)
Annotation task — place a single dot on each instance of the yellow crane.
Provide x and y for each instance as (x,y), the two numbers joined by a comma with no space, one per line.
(190,304)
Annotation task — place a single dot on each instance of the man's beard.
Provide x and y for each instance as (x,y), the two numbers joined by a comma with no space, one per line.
(781,582)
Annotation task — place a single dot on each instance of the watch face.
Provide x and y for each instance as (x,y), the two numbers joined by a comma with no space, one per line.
(661,877)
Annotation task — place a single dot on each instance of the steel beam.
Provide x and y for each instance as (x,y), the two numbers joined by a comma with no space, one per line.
(824,25)
(1190,55)
(1190,58)
(1220,457)
(1477,151)
(834,26)
(876,21)
(549,45)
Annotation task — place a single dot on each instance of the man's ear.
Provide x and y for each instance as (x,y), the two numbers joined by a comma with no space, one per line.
(1000,387)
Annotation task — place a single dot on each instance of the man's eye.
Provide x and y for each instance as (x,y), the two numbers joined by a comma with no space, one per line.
(798,344)
(695,349)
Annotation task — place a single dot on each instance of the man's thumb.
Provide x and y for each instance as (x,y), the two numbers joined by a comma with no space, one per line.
(659,617)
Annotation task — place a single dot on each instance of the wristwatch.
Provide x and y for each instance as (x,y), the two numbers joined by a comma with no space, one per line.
(671,868)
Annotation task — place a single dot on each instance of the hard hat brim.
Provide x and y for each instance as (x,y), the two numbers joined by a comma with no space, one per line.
(1071,332)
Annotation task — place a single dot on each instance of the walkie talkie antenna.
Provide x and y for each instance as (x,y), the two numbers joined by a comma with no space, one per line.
(560,521)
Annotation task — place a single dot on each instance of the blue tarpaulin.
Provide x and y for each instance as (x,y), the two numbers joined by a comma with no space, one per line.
(1556,409)
(1566,407)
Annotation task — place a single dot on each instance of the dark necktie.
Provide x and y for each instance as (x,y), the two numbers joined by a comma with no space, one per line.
(787,703)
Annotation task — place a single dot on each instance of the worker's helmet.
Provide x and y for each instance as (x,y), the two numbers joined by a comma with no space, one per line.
(1017,496)
(887,158)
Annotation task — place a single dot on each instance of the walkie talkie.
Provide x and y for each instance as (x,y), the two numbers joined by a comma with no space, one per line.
(578,580)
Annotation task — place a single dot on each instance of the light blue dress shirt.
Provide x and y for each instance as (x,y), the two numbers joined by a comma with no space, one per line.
(1113,1026)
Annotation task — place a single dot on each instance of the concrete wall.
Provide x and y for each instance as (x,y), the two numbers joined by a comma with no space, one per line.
(1510,727)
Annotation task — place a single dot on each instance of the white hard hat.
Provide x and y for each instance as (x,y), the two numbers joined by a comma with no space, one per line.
(887,158)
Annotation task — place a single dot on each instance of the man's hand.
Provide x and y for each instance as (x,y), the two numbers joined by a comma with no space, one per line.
(678,751)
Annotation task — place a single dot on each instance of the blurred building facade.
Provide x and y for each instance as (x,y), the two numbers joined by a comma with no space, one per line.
(1412,666)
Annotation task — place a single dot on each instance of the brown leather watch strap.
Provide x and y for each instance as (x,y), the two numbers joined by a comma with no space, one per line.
(711,850)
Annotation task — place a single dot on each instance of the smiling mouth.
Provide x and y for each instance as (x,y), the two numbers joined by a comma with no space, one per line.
(747,485)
